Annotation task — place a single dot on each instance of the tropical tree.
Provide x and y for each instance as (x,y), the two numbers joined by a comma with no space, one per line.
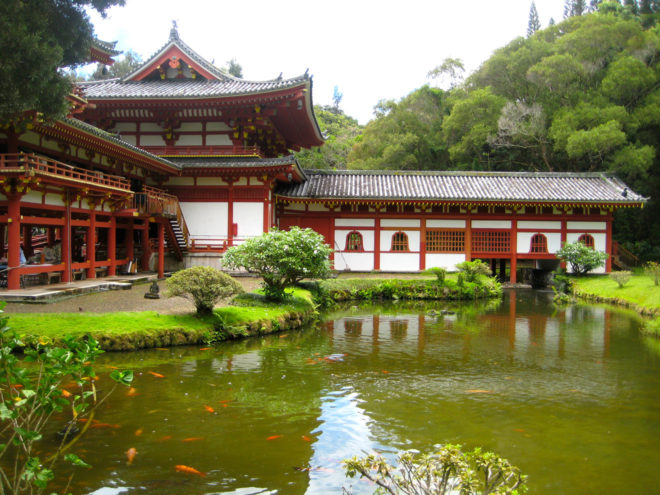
(234,68)
(121,68)
(38,38)
(533,24)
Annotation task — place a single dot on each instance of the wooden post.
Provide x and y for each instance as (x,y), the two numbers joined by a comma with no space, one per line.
(608,245)
(66,245)
(27,241)
(14,249)
(112,246)
(130,244)
(422,245)
(161,250)
(468,238)
(51,236)
(230,213)
(91,244)
(513,276)
(266,208)
(377,243)
(146,248)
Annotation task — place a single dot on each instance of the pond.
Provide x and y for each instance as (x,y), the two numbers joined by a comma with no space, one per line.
(570,396)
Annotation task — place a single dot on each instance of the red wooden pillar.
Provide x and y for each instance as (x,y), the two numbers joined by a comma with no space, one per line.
(91,244)
(608,245)
(513,277)
(161,250)
(130,245)
(112,246)
(563,241)
(230,213)
(468,239)
(267,208)
(27,241)
(14,234)
(146,249)
(2,240)
(422,245)
(377,243)
(65,247)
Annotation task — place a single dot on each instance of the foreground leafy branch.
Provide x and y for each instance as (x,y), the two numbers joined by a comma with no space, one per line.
(31,392)
(447,471)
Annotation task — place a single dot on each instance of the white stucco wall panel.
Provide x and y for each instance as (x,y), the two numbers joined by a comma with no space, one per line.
(586,225)
(189,140)
(491,224)
(540,225)
(149,140)
(218,140)
(190,127)
(399,262)
(250,219)
(367,238)
(446,260)
(54,199)
(217,126)
(206,219)
(400,222)
(386,239)
(525,239)
(317,207)
(356,262)
(355,222)
(445,224)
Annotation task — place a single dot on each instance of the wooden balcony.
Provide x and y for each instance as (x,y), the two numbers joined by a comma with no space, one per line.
(52,171)
(205,150)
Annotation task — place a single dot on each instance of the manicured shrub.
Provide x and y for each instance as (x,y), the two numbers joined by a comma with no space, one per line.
(282,258)
(582,258)
(472,270)
(652,269)
(203,285)
(621,277)
(440,273)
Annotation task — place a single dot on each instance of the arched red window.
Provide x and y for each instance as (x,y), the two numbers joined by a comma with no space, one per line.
(538,244)
(400,242)
(587,240)
(354,241)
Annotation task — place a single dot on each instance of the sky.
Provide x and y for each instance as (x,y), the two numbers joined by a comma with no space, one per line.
(370,50)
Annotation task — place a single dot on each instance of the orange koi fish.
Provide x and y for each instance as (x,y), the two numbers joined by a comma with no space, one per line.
(209,409)
(105,425)
(306,438)
(519,430)
(132,392)
(192,439)
(180,468)
(16,385)
(66,393)
(165,438)
(226,401)
(274,437)
(161,349)
(112,367)
(285,335)
(385,371)
(205,349)
(157,375)
(479,391)
(139,432)
(130,455)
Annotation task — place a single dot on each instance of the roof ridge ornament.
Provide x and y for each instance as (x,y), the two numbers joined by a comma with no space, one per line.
(174,33)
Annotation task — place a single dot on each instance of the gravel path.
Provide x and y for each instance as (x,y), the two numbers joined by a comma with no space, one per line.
(122,300)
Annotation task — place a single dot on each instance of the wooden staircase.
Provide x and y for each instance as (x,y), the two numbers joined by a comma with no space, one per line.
(622,259)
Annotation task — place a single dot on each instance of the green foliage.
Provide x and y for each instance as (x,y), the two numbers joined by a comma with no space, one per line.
(37,39)
(31,393)
(652,269)
(341,132)
(533,24)
(621,277)
(582,259)
(203,285)
(440,273)
(446,471)
(472,271)
(121,68)
(282,258)
(234,68)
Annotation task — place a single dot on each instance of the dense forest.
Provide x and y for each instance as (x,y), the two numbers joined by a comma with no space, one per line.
(581,95)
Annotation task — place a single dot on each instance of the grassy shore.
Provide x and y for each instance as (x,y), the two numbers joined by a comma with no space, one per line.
(125,331)
(640,294)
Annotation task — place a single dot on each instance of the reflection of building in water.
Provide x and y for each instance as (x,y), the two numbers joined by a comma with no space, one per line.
(398,328)
(353,326)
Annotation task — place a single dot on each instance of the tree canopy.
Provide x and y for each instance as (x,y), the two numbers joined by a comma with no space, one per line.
(38,38)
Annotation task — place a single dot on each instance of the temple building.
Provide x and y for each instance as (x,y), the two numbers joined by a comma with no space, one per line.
(174,163)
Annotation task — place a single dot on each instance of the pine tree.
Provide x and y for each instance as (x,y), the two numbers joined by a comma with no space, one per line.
(632,6)
(533,24)
(574,7)
(645,7)
(593,5)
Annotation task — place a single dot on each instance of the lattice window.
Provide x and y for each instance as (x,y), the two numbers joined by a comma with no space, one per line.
(445,241)
(353,326)
(491,241)
(538,244)
(400,242)
(354,241)
(587,240)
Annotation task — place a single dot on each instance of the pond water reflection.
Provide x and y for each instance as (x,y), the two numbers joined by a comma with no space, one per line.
(568,395)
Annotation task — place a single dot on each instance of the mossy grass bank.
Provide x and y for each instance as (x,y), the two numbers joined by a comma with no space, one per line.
(250,315)
(640,294)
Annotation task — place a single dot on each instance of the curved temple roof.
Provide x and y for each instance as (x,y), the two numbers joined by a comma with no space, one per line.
(462,186)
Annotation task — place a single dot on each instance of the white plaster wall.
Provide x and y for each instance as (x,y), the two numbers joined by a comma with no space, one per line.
(526,224)
(525,239)
(32,197)
(600,244)
(241,182)
(209,181)
(586,225)
(150,127)
(180,181)
(399,222)
(218,140)
(190,127)
(131,139)
(355,222)
(54,199)
(357,262)
(125,126)
(367,239)
(295,206)
(386,239)
(317,207)
(445,224)
(250,219)
(151,140)
(189,140)
(217,126)
(446,260)
(205,219)
(399,262)
(491,224)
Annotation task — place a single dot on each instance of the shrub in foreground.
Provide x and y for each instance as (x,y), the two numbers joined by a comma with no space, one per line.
(282,258)
(447,471)
(652,269)
(582,258)
(203,285)
(621,277)
(471,271)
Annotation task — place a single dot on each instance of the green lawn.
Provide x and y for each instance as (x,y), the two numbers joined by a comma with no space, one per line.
(640,290)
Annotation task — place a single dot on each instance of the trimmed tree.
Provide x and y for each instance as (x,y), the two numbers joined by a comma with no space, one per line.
(203,285)
(582,258)
(282,258)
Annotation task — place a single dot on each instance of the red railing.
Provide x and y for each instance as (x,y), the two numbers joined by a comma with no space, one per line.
(205,150)
(154,201)
(213,244)
(31,164)
(623,257)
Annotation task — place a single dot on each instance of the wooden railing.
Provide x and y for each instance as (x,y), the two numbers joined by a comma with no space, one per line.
(622,257)
(204,150)
(31,164)
(154,201)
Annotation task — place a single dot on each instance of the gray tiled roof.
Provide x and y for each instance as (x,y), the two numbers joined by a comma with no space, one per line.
(182,88)
(233,162)
(462,186)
